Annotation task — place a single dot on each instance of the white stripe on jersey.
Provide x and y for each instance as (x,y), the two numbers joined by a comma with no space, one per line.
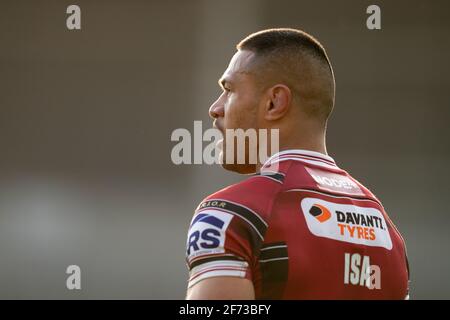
(317,163)
(219,263)
(218,271)
(274,247)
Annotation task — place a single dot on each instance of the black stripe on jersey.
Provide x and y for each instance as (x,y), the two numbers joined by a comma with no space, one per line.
(216,258)
(273,251)
(274,272)
(252,217)
(276,176)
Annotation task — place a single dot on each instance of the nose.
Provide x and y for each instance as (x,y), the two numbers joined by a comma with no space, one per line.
(216,110)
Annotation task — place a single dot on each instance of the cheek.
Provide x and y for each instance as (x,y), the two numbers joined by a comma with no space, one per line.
(232,111)
(239,112)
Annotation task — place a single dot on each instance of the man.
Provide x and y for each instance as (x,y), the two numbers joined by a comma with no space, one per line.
(301,227)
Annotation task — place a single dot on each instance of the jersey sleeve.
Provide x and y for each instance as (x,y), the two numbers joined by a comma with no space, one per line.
(222,240)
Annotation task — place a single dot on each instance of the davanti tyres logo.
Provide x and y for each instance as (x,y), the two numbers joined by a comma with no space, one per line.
(319,212)
(346,222)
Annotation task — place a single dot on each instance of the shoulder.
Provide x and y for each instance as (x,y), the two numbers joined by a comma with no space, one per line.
(240,211)
(229,226)
(251,198)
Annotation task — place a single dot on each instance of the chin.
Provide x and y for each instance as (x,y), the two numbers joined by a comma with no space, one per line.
(241,168)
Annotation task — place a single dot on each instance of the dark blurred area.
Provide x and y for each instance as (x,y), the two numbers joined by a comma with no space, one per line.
(86,117)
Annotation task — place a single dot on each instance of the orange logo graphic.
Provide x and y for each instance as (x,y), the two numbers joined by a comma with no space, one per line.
(320,212)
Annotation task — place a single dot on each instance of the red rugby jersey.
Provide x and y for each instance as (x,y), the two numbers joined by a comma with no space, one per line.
(302,228)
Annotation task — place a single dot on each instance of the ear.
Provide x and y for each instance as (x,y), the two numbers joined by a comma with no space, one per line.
(279,101)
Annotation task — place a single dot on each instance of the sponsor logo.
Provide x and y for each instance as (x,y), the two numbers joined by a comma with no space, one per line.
(334,182)
(207,232)
(346,222)
(319,212)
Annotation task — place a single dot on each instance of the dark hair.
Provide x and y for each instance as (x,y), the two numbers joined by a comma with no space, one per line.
(272,40)
(295,54)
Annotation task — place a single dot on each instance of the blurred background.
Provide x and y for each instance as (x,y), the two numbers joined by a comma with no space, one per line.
(86,116)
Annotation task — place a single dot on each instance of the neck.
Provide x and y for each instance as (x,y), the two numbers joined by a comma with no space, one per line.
(304,142)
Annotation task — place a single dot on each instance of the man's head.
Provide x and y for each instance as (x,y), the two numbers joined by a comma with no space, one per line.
(278,79)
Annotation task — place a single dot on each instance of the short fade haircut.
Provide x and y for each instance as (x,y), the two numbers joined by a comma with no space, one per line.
(288,48)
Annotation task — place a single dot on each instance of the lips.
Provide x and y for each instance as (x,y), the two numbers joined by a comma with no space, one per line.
(217,126)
